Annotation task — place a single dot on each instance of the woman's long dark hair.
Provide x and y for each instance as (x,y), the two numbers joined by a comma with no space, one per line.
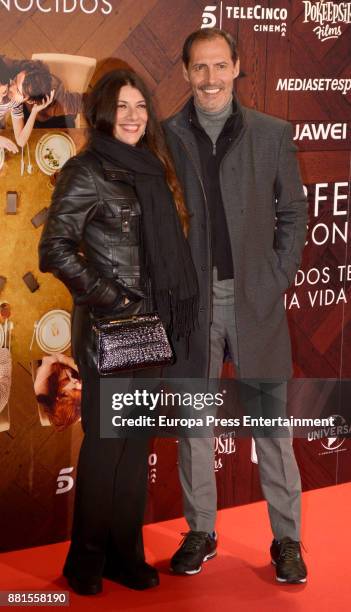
(100,111)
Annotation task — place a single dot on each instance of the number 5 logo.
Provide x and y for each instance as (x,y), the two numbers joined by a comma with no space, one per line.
(64,482)
(209,20)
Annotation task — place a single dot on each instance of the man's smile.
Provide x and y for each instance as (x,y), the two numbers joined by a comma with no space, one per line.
(210,90)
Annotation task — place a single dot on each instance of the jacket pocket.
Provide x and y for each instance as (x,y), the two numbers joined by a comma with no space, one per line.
(278,274)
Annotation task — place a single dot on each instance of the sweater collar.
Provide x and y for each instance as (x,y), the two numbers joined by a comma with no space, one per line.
(232,127)
(180,121)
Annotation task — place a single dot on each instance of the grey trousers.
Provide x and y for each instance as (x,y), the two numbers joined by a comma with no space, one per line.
(279,474)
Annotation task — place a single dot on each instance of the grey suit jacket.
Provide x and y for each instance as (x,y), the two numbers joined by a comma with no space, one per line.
(266,213)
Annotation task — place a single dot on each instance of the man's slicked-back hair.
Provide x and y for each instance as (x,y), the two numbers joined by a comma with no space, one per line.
(208,34)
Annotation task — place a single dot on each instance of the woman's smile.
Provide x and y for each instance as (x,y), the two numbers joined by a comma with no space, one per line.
(131,115)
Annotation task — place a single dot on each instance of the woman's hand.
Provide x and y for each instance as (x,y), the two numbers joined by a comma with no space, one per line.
(42,374)
(23,130)
(6,143)
(44,103)
(66,360)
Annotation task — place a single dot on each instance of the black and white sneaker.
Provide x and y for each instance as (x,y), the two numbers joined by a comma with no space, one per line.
(289,564)
(196,547)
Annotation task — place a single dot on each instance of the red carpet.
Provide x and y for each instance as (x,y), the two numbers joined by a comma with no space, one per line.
(240,578)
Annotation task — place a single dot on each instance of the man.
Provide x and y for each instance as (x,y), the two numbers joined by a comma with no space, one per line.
(248,224)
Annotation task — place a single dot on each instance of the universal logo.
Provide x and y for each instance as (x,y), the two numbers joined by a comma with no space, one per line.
(224,445)
(332,438)
(267,17)
(328,16)
(58,6)
(64,481)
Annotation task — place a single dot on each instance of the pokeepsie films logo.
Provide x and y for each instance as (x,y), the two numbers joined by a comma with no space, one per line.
(58,6)
(223,445)
(328,17)
(268,19)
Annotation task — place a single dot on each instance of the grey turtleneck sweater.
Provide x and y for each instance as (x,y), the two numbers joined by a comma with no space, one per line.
(213,123)
(214,133)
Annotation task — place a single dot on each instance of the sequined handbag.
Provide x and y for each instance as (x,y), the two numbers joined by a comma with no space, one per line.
(131,343)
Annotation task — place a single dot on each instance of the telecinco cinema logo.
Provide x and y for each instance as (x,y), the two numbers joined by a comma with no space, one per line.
(328,17)
(268,19)
(332,438)
(64,481)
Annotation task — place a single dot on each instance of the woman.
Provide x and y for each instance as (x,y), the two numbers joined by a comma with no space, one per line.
(112,233)
(13,76)
(57,388)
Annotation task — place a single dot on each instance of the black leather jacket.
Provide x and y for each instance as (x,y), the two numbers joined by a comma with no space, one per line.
(91,242)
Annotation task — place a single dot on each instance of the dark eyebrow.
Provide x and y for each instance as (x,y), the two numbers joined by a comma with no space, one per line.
(126,101)
(216,63)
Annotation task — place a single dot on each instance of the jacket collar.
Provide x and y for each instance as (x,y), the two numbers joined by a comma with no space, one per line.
(232,126)
(180,125)
(111,172)
(182,120)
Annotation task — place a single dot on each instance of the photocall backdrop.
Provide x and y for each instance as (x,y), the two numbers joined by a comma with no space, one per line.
(296,60)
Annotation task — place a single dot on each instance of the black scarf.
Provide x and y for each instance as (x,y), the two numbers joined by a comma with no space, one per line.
(167,252)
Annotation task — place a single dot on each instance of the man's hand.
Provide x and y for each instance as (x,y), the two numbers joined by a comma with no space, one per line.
(6,143)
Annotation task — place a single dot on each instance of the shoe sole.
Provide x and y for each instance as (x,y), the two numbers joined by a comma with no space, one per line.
(285,581)
(198,569)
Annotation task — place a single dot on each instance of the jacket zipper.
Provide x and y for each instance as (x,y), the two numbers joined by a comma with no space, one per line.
(210,244)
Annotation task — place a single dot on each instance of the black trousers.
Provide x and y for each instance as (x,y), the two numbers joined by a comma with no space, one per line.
(110,495)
